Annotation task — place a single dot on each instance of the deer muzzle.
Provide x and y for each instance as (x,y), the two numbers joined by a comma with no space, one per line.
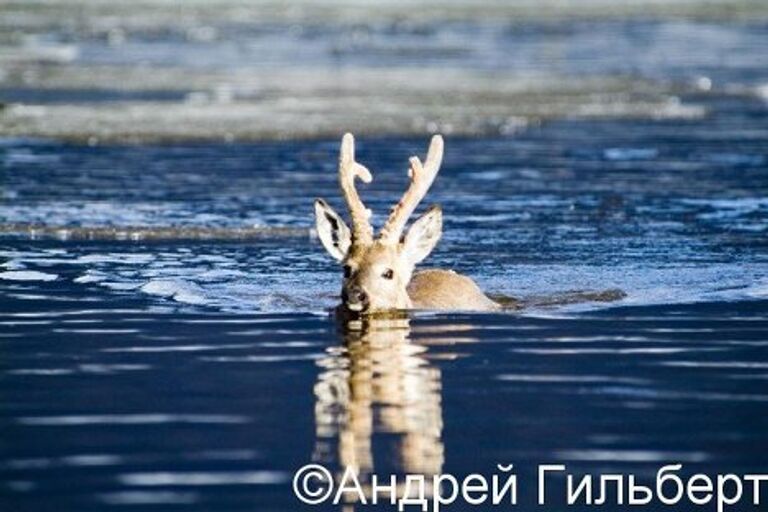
(355,299)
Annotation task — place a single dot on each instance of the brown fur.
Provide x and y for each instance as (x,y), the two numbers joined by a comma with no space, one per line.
(445,289)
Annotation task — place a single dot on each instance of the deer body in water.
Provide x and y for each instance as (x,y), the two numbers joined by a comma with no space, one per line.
(379,272)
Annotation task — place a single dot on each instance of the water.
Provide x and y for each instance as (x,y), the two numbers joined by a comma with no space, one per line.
(155,406)
(236,70)
(166,341)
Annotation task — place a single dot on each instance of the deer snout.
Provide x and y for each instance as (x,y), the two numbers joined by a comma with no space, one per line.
(355,298)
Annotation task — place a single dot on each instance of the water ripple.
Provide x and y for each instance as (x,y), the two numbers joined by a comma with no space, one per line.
(204,478)
(130,419)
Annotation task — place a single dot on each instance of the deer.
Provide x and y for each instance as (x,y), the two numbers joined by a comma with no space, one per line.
(379,272)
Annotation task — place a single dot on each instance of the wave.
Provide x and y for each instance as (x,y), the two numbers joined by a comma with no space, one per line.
(38,231)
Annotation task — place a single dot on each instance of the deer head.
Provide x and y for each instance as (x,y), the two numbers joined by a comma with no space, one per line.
(377,270)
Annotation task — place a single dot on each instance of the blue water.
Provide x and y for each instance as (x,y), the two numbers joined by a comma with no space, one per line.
(660,209)
(166,341)
(202,373)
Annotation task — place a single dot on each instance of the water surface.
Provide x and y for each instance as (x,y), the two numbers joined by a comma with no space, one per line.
(165,339)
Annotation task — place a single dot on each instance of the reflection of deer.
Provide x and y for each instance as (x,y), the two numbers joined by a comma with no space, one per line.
(379,382)
(378,273)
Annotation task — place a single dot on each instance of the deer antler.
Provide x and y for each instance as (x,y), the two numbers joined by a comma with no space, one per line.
(422,176)
(362,232)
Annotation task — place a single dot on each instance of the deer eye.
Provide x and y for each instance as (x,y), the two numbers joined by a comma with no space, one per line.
(388,274)
(347,271)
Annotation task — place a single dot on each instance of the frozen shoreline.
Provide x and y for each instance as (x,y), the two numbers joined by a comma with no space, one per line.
(243,71)
(367,102)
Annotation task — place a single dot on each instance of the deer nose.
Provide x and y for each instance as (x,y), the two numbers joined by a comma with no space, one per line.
(355,297)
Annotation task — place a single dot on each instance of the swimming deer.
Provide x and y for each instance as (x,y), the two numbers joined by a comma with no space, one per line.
(379,272)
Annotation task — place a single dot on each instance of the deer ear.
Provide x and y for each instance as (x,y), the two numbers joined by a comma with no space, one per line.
(332,230)
(424,235)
